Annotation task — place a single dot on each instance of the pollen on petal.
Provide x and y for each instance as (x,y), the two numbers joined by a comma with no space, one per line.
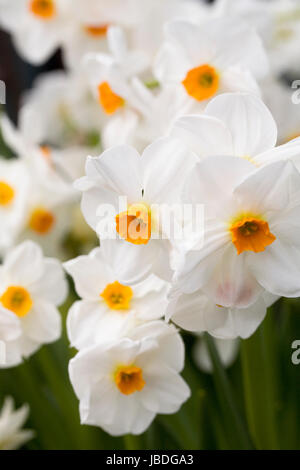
(109,100)
(251,234)
(17,299)
(41,221)
(129,379)
(202,82)
(43,9)
(134,225)
(7,193)
(117,296)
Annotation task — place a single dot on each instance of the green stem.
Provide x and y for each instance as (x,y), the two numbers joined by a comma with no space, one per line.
(227,400)
(260,387)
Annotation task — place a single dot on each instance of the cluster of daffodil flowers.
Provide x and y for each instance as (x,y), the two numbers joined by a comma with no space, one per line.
(167,103)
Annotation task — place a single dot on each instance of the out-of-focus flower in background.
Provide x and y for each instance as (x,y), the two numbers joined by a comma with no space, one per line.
(12,434)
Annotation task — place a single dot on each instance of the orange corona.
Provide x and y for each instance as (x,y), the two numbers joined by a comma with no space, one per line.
(129,379)
(251,234)
(43,9)
(201,82)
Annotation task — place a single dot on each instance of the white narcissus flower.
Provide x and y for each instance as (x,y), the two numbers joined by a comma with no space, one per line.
(251,231)
(218,56)
(151,183)
(61,111)
(14,189)
(37,26)
(31,287)
(198,313)
(90,25)
(46,211)
(108,308)
(236,124)
(110,77)
(123,384)
(227,349)
(12,436)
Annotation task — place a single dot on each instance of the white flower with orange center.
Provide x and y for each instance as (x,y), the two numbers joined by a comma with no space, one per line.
(216,56)
(251,231)
(37,26)
(31,287)
(110,74)
(46,208)
(89,24)
(150,182)
(236,124)
(123,384)
(12,434)
(109,308)
(14,190)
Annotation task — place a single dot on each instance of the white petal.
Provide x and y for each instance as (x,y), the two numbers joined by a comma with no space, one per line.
(232,283)
(242,322)
(10,327)
(204,135)
(24,263)
(249,121)
(165,390)
(196,312)
(277,269)
(52,286)
(90,273)
(213,179)
(119,167)
(164,165)
(43,323)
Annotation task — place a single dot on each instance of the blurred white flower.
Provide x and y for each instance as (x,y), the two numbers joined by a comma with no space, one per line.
(14,190)
(46,207)
(12,434)
(60,111)
(31,287)
(227,349)
(123,384)
(278,23)
(37,26)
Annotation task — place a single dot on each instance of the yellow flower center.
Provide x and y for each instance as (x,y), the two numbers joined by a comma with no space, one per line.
(96,31)
(17,299)
(7,194)
(250,233)
(129,379)
(41,221)
(117,296)
(201,82)
(134,225)
(44,9)
(109,100)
